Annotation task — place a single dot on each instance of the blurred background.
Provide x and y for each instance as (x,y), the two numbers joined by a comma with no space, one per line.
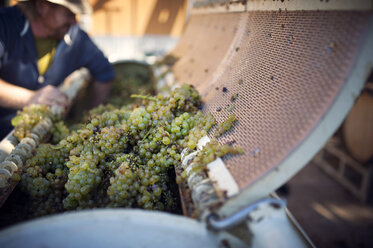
(134,29)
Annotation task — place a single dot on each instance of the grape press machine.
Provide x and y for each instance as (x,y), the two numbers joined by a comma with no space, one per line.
(295,69)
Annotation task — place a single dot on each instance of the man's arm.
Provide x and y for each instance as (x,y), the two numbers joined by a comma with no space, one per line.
(15,97)
(100,92)
(102,72)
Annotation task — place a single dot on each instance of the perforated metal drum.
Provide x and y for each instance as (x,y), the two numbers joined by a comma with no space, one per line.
(281,72)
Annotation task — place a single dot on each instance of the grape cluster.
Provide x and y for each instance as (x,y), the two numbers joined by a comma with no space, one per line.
(28,118)
(168,60)
(122,157)
(225,126)
(209,153)
(59,131)
(33,114)
(44,178)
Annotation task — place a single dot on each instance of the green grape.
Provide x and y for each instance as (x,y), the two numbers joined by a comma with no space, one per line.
(120,156)
(225,126)
(27,118)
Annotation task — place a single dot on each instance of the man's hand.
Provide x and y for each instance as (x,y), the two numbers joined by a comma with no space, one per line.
(49,95)
(100,92)
(15,97)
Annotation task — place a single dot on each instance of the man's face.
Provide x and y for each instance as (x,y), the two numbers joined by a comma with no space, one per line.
(57,19)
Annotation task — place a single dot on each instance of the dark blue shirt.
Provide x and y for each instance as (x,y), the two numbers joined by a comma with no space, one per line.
(18,58)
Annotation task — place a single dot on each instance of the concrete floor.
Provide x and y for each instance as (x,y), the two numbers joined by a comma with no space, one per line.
(330,215)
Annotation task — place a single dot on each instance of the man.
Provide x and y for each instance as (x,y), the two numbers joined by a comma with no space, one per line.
(40,45)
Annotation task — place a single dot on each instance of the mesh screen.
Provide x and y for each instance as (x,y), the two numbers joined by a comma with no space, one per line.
(204,45)
(286,67)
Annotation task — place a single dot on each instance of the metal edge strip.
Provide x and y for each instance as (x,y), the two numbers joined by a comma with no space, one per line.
(317,138)
(222,179)
(310,5)
(219,175)
(284,5)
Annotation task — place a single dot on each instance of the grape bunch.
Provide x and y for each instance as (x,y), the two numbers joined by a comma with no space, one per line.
(44,179)
(31,115)
(168,60)
(28,118)
(209,153)
(121,157)
(225,126)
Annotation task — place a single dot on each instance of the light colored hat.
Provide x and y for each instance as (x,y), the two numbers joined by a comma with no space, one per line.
(75,6)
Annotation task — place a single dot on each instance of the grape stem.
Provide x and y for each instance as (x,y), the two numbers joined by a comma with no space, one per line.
(144,97)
